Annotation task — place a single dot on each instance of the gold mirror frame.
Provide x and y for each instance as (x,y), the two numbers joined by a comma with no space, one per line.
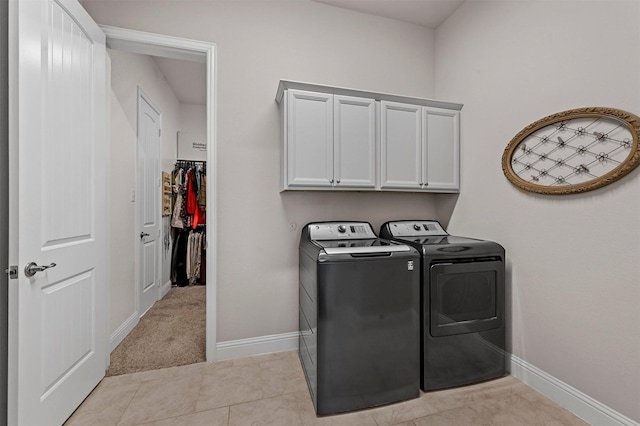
(632,123)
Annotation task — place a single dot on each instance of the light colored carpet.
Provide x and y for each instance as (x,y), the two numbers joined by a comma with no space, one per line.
(171,333)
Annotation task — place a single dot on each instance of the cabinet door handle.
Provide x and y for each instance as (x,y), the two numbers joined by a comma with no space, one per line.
(331,182)
(338,182)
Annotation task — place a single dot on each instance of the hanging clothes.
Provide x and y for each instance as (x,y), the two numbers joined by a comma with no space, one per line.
(193,206)
(176,218)
(202,193)
(179,259)
(188,221)
(194,256)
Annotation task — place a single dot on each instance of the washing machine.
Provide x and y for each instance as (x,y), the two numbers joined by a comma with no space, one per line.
(462,304)
(359,317)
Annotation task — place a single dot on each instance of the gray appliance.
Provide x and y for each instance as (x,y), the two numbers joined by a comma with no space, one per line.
(463,304)
(359,317)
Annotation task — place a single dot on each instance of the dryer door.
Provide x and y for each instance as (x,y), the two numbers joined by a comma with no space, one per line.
(466,297)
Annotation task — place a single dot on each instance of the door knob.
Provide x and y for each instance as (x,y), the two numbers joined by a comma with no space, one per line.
(143,234)
(32,268)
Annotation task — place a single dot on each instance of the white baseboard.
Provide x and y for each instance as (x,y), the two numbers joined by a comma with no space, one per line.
(164,289)
(125,328)
(580,404)
(257,346)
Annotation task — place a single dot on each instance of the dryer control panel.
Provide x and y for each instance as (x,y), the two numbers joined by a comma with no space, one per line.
(340,231)
(416,228)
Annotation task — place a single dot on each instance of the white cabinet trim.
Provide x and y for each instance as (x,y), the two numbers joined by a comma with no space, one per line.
(378,96)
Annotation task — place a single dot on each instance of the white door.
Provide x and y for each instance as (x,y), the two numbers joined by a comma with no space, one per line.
(58,168)
(309,138)
(401,145)
(148,205)
(354,141)
(441,159)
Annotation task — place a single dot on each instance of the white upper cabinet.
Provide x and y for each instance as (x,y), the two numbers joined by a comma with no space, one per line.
(309,139)
(330,141)
(420,148)
(343,139)
(354,143)
(400,146)
(441,162)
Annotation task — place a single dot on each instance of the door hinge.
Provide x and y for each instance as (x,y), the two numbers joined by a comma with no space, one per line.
(13,272)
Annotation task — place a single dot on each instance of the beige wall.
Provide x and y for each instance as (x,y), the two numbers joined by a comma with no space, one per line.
(193,118)
(259,43)
(128,72)
(573,261)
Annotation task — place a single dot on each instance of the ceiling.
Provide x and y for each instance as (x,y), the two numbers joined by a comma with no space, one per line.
(188,79)
(427,13)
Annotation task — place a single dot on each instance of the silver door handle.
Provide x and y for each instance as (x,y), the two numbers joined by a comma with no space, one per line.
(32,268)
(143,234)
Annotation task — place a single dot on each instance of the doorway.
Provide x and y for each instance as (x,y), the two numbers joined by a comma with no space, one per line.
(123,320)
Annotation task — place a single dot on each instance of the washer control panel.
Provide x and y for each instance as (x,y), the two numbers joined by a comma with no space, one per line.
(416,228)
(340,231)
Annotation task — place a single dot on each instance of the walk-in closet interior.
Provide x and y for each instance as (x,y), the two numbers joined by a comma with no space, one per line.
(158,274)
(188,223)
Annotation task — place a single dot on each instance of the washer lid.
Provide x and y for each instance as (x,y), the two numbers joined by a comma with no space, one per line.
(369,246)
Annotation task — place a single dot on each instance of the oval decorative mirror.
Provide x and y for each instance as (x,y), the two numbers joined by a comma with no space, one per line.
(573,151)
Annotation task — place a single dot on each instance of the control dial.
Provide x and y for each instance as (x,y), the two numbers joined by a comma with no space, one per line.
(342,229)
(416,227)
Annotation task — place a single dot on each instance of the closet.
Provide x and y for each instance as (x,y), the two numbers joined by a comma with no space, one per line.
(188,223)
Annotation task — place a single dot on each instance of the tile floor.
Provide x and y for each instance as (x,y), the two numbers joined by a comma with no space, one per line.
(271,390)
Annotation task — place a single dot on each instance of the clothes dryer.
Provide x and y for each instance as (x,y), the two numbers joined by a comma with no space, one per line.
(462,304)
(359,317)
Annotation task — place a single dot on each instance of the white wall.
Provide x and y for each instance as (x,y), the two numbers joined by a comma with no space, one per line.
(193,129)
(128,71)
(259,43)
(193,119)
(572,260)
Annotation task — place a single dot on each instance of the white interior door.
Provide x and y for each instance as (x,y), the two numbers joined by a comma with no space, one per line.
(58,167)
(148,206)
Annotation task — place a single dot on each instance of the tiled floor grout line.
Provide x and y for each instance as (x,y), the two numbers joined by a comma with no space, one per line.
(129,404)
(182,415)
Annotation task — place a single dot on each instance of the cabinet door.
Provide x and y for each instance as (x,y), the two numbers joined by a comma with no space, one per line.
(309,139)
(354,141)
(400,145)
(441,160)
